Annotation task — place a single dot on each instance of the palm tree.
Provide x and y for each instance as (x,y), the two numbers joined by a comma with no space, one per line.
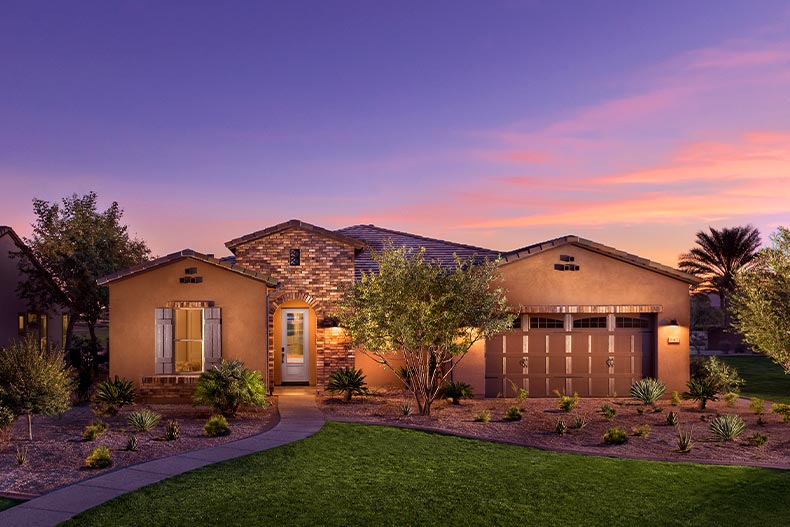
(718,257)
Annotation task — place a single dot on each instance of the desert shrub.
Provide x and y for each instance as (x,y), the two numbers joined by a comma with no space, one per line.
(216,425)
(99,458)
(727,427)
(229,385)
(512,414)
(702,391)
(21,455)
(641,430)
(519,393)
(684,442)
(647,390)
(615,436)
(561,427)
(580,421)
(405,409)
(7,417)
(672,419)
(348,381)
(483,417)
(172,431)
(675,401)
(725,378)
(143,420)
(112,395)
(729,399)
(757,439)
(783,410)
(567,403)
(132,443)
(757,406)
(607,411)
(455,391)
(94,430)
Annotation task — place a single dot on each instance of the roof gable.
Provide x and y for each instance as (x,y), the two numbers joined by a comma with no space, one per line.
(24,249)
(182,255)
(294,224)
(531,250)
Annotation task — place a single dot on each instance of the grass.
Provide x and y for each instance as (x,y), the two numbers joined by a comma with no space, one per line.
(6,503)
(351,474)
(764,379)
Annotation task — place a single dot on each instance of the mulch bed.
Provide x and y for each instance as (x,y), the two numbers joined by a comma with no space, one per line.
(537,427)
(56,456)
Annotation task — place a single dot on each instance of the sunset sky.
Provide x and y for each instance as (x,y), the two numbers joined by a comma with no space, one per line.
(495,123)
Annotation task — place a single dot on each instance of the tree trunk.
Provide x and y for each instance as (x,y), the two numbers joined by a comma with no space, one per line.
(30,427)
(94,346)
(73,361)
(347,395)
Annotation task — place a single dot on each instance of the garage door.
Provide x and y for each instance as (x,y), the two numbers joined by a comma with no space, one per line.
(592,354)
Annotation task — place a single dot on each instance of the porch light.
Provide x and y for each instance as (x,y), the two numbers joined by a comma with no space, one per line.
(329,322)
(673,322)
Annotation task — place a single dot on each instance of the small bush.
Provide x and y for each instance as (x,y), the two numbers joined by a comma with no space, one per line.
(21,455)
(112,395)
(94,430)
(608,412)
(561,427)
(727,427)
(641,430)
(580,421)
(672,419)
(99,458)
(520,393)
(132,443)
(615,436)
(512,414)
(729,399)
(143,420)
(172,431)
(757,406)
(483,417)
(675,401)
(783,410)
(7,418)
(216,425)
(647,390)
(724,378)
(229,385)
(567,403)
(758,439)
(684,442)
(455,391)
(405,409)
(702,391)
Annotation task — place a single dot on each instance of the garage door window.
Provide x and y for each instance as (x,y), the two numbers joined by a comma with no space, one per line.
(590,322)
(631,322)
(545,322)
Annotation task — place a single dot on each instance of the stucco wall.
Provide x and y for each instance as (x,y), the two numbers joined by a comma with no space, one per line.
(133,301)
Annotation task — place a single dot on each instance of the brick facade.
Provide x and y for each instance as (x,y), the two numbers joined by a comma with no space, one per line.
(326,266)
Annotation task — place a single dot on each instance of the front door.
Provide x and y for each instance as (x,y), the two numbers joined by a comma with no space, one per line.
(296,345)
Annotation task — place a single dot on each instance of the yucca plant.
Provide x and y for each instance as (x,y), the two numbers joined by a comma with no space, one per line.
(21,455)
(112,395)
(684,442)
(561,427)
(229,385)
(172,431)
(132,444)
(647,390)
(580,421)
(348,381)
(143,420)
(727,427)
(455,391)
(702,391)
(672,418)
(405,409)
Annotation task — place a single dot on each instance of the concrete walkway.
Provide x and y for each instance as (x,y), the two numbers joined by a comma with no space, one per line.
(299,418)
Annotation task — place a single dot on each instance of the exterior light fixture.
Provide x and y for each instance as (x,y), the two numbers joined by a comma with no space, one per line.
(329,322)
(673,322)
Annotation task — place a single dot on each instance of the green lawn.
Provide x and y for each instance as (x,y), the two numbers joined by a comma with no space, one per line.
(350,474)
(764,379)
(6,503)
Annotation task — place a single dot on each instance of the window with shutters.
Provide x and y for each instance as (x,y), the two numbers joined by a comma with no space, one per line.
(188,340)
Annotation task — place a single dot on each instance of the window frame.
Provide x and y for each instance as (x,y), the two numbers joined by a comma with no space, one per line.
(176,341)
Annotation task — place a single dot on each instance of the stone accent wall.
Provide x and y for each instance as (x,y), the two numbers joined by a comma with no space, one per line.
(326,267)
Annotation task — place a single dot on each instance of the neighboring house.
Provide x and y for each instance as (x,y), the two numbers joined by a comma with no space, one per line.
(17,319)
(592,319)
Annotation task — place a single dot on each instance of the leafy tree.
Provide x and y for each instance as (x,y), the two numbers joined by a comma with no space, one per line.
(76,244)
(34,380)
(761,305)
(229,385)
(424,314)
(718,257)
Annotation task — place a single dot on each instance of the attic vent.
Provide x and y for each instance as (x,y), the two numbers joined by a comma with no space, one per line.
(566,258)
(190,270)
(294,257)
(566,267)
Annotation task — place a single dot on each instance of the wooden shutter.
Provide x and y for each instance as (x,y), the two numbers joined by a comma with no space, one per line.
(212,337)
(164,341)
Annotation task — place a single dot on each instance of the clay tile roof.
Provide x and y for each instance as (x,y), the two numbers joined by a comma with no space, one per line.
(571,239)
(180,255)
(441,250)
(293,224)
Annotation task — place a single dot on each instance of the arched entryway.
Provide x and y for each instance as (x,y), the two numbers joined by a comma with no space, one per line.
(293,324)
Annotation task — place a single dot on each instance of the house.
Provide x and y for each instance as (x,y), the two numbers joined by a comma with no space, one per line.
(592,319)
(17,318)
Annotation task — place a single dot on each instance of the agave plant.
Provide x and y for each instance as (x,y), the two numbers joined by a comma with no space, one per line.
(702,391)
(172,431)
(727,427)
(455,391)
(143,420)
(672,418)
(561,427)
(647,390)
(685,444)
(132,444)
(112,395)
(348,381)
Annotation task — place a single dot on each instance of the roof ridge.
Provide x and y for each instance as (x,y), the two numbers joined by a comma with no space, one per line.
(290,224)
(418,236)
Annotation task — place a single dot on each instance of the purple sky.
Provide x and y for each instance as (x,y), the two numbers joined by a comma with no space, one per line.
(499,124)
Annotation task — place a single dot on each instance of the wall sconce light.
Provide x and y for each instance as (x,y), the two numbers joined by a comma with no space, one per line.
(673,322)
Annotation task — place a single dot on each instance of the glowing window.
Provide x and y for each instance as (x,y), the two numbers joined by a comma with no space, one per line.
(188,340)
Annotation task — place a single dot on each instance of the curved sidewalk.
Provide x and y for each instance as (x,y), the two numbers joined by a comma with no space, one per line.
(299,418)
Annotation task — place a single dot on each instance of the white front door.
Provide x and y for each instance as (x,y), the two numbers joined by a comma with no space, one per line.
(296,345)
